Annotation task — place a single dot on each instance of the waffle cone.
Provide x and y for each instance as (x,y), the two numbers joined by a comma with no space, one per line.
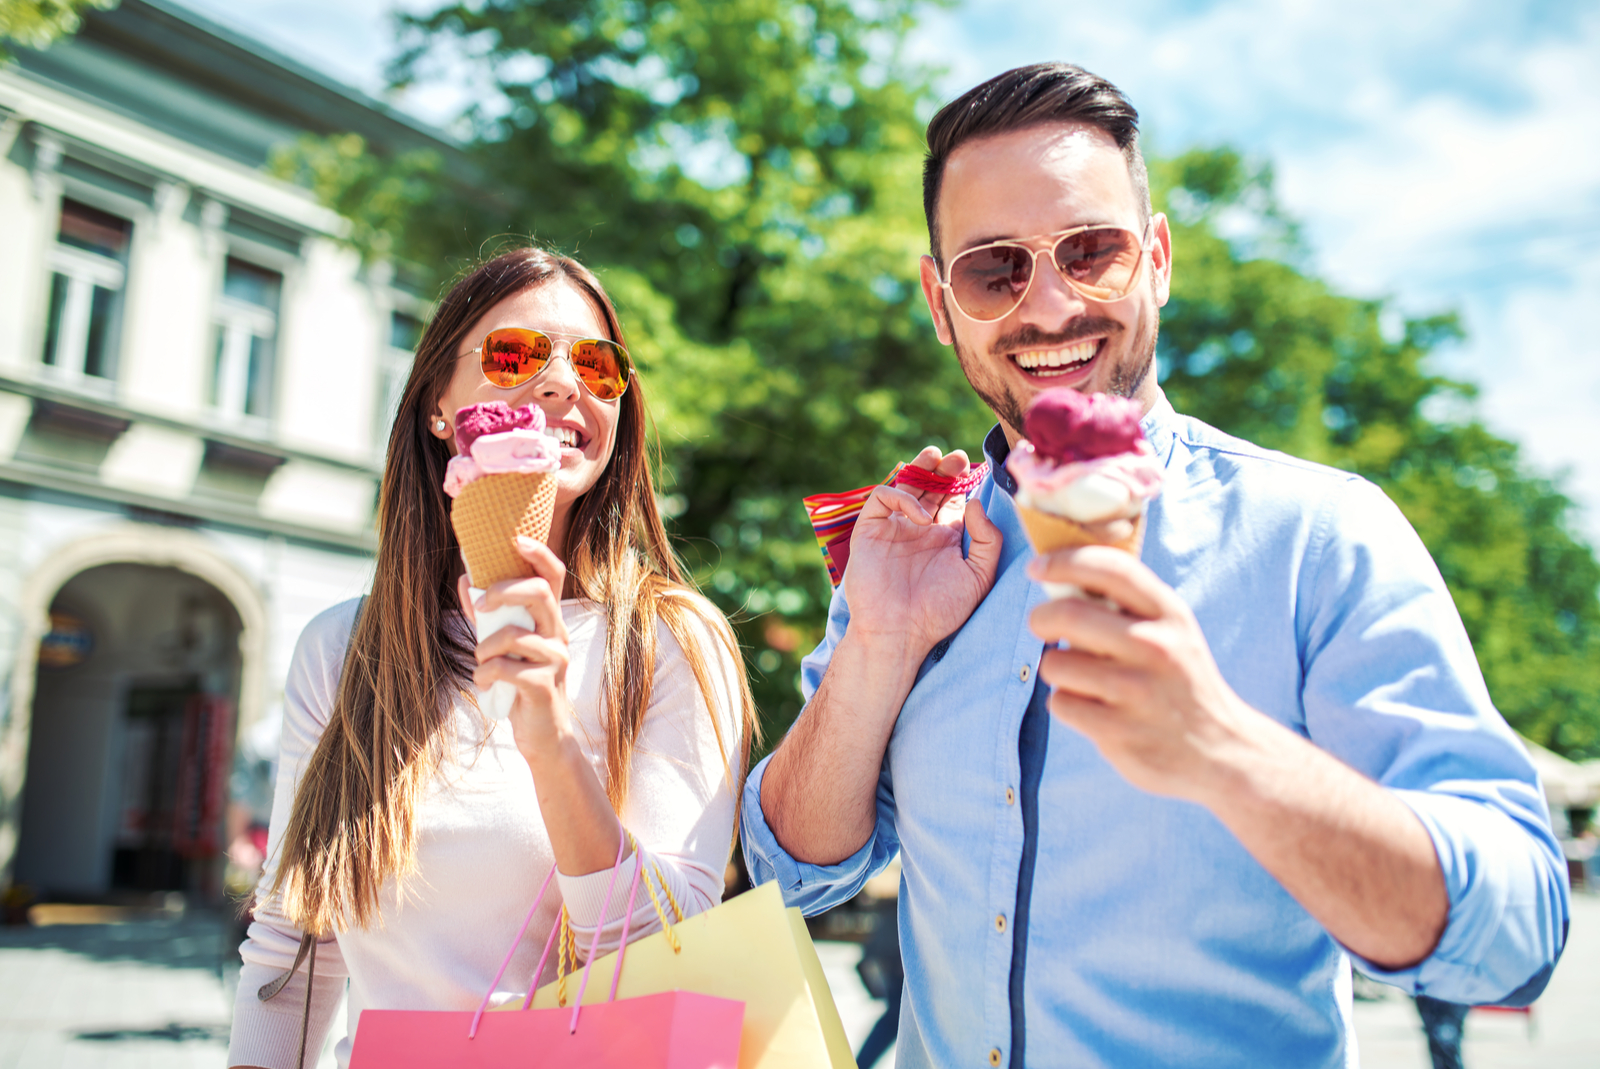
(1049,532)
(488,516)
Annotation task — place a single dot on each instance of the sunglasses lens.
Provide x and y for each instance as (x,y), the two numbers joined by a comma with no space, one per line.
(513,355)
(1101,263)
(603,367)
(987,283)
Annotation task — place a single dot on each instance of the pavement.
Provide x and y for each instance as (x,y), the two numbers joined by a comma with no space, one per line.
(157,994)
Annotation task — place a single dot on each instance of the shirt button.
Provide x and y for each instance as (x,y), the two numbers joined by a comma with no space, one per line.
(1000,923)
(1011,796)
(1024,673)
(994,1056)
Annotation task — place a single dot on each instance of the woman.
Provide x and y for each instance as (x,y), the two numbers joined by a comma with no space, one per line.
(411,832)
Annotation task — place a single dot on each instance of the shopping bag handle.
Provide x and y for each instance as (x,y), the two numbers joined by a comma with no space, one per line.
(622,845)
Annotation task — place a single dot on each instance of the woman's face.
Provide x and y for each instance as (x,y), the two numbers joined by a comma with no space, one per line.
(588,425)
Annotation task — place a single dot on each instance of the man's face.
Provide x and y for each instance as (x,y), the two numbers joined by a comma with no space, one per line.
(1020,186)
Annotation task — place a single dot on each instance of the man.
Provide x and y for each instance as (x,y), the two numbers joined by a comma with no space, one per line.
(1162,845)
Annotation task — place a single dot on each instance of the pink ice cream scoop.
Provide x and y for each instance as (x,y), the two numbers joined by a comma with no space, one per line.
(1085,457)
(494,417)
(1065,425)
(496,439)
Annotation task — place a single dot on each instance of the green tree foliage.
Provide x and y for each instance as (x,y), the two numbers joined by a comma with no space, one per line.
(744,174)
(1264,350)
(36,23)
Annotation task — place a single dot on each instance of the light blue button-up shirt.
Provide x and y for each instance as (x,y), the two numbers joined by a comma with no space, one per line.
(1154,938)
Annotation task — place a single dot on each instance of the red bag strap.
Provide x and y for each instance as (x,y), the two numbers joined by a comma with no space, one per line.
(833,516)
(929,481)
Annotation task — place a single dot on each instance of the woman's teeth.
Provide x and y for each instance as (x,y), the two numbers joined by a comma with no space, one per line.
(566,436)
(1049,362)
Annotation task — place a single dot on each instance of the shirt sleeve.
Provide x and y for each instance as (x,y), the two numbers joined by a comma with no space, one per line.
(267,1034)
(682,792)
(1392,687)
(817,888)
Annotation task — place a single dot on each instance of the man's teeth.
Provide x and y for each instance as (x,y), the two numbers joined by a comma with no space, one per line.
(564,435)
(1049,362)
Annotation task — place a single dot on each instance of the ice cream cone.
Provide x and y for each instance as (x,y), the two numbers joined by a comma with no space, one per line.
(491,512)
(1049,532)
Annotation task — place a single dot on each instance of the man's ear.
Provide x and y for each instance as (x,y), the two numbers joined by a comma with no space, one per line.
(1161,260)
(933,293)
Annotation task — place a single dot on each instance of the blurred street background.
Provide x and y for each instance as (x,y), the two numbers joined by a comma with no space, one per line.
(223,226)
(157,993)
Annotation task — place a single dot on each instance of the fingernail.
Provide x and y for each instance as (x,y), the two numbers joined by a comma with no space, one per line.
(524,542)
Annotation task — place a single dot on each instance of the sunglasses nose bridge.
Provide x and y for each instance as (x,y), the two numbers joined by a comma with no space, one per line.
(559,372)
(1048,287)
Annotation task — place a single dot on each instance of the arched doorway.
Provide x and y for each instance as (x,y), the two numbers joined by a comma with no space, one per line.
(132,724)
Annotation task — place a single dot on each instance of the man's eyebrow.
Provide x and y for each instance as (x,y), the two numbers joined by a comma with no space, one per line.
(991,239)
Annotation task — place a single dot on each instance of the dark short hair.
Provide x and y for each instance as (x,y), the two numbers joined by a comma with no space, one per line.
(1030,96)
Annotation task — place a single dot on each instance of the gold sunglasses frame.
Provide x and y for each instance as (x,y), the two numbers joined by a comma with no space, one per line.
(1146,243)
(627,360)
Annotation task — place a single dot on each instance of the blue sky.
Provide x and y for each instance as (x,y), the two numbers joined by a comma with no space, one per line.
(1443,154)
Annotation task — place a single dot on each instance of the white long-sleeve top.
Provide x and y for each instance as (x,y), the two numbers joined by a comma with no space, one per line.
(482,849)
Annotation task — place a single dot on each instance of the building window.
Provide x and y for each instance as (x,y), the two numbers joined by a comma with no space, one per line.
(247,331)
(88,266)
(404,333)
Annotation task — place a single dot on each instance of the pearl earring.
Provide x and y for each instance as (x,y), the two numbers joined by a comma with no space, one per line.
(440,425)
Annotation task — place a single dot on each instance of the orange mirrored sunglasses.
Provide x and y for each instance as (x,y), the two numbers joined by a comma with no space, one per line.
(511,356)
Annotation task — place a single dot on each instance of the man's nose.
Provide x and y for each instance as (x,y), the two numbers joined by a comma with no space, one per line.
(1050,301)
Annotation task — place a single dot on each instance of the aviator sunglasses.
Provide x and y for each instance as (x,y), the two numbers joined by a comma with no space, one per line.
(511,356)
(1101,262)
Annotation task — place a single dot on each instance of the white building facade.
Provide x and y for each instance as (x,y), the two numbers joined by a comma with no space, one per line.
(195,384)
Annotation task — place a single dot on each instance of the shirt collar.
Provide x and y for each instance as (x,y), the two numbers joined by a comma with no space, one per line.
(995,450)
(1157,426)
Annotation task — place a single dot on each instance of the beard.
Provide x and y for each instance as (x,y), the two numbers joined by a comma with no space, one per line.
(1126,378)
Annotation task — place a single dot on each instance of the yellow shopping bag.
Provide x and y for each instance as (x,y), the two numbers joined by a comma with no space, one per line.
(749,948)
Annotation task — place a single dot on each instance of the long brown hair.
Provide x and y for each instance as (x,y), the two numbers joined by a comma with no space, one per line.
(353,825)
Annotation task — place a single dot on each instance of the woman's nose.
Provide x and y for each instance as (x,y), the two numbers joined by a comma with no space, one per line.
(560,378)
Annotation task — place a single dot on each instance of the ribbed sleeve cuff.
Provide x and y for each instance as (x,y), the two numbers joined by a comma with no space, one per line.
(585,895)
(267,1034)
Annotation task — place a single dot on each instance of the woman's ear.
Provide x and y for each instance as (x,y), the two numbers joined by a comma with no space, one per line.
(439,426)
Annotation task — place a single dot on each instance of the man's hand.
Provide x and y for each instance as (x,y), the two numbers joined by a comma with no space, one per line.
(1143,686)
(1140,683)
(908,586)
(906,578)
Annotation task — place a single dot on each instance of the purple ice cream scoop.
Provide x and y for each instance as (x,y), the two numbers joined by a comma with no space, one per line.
(1066,426)
(493,417)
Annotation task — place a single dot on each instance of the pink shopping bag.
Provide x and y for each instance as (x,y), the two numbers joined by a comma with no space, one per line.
(671,1030)
(675,1030)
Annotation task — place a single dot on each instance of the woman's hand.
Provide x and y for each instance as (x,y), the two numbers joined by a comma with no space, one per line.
(535,662)
(578,816)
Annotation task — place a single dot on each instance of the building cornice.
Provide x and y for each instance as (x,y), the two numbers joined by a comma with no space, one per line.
(107,410)
(96,132)
(215,513)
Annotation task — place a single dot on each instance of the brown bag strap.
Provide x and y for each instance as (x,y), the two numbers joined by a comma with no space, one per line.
(308,953)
